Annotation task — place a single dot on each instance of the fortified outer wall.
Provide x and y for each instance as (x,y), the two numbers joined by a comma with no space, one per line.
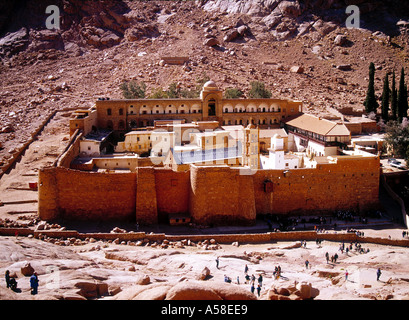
(172,192)
(70,194)
(351,183)
(221,195)
(71,152)
(210,194)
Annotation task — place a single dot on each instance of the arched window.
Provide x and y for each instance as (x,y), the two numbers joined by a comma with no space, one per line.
(212,107)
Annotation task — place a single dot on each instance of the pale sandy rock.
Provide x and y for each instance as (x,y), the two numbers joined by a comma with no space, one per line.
(229,291)
(297,69)
(188,290)
(153,293)
(73,295)
(204,274)
(143,280)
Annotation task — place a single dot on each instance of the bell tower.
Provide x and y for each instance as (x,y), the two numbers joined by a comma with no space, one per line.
(212,106)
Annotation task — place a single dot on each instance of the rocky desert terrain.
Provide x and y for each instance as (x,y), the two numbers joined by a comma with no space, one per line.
(45,74)
(184,270)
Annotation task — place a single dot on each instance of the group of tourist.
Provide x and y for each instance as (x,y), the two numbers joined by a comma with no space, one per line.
(358,233)
(11,282)
(248,280)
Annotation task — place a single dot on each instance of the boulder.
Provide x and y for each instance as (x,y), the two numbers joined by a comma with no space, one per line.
(87,289)
(211,42)
(7,129)
(231,292)
(153,293)
(293,291)
(242,30)
(231,36)
(297,69)
(344,67)
(191,291)
(306,291)
(204,274)
(14,42)
(290,8)
(340,40)
(27,270)
(72,295)
(144,280)
(324,27)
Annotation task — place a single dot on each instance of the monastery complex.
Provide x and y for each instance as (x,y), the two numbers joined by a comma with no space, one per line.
(208,161)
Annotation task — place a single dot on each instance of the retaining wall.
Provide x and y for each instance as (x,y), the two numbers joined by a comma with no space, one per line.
(220,238)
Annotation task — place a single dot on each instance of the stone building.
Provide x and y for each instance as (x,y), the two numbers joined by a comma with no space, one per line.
(125,115)
(317,136)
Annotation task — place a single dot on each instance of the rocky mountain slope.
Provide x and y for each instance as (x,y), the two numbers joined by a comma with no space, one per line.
(102,43)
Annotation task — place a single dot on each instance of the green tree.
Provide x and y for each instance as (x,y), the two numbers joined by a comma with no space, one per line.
(394,98)
(402,97)
(258,90)
(159,94)
(233,93)
(173,91)
(385,99)
(133,90)
(397,138)
(370,102)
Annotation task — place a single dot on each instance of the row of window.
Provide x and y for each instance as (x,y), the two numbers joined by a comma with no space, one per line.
(246,122)
(239,110)
(143,123)
(159,111)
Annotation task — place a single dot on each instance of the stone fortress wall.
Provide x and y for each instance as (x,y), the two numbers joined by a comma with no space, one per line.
(208,194)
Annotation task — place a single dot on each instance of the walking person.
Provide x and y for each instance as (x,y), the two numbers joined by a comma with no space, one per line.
(246,269)
(306,264)
(258,290)
(252,287)
(34,283)
(7,276)
(260,280)
(346,275)
(327,256)
(217,262)
(378,274)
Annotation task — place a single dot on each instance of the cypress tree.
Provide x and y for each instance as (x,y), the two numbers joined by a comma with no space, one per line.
(394,98)
(402,97)
(370,102)
(385,99)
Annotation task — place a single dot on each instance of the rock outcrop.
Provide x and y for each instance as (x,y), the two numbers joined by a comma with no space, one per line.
(293,291)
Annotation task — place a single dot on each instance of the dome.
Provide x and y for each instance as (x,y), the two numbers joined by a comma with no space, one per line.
(210,85)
